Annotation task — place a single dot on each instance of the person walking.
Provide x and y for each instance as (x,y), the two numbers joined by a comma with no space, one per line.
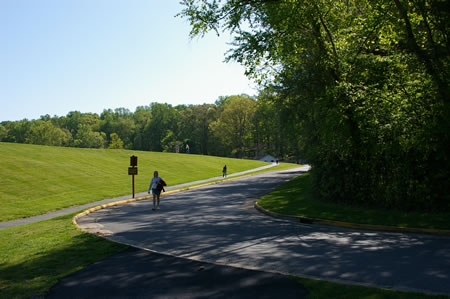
(156,185)
(224,171)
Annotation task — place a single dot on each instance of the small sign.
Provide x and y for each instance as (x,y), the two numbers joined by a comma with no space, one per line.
(132,171)
(133,161)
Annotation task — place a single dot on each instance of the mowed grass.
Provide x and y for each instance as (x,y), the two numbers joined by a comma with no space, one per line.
(38,179)
(295,198)
(34,257)
(320,289)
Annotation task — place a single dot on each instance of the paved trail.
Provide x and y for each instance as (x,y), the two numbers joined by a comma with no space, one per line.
(218,224)
(73,209)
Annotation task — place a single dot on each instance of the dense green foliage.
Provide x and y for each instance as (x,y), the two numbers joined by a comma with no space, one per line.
(39,179)
(235,126)
(363,84)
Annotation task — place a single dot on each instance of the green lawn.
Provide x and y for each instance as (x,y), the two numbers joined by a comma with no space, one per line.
(294,198)
(38,179)
(320,289)
(33,257)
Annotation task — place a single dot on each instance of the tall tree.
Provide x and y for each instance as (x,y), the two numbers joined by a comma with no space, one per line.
(369,80)
(3,133)
(141,118)
(88,138)
(234,126)
(45,133)
(119,121)
(163,119)
(194,122)
(116,142)
(17,131)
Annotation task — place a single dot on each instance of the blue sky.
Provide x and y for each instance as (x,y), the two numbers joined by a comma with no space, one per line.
(58,56)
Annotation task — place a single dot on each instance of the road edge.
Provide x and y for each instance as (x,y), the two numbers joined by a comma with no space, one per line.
(373,227)
(126,201)
(260,209)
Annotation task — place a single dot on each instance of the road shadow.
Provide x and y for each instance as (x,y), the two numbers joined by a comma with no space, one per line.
(136,273)
(36,274)
(220,230)
(211,225)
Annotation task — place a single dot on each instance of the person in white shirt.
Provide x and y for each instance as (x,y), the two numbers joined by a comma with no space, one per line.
(156,185)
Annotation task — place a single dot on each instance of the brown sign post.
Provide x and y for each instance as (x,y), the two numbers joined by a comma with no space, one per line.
(133,170)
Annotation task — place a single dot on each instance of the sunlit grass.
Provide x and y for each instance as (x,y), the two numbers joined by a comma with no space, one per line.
(34,256)
(38,179)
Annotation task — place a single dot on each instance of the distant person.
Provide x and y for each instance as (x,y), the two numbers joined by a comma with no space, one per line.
(177,148)
(156,185)
(187,148)
(224,171)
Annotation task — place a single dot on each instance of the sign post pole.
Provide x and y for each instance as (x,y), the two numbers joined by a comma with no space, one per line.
(133,170)
(133,184)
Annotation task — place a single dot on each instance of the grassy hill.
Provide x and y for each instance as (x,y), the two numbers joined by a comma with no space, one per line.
(37,179)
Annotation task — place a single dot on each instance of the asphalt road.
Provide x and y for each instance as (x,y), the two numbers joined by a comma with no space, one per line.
(137,273)
(65,211)
(218,224)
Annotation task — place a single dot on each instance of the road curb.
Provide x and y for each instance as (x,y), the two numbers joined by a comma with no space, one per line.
(126,201)
(308,220)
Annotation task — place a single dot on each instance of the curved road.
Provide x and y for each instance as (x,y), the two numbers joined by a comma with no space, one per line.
(218,224)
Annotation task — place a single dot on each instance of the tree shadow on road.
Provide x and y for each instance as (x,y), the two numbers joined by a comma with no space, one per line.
(138,273)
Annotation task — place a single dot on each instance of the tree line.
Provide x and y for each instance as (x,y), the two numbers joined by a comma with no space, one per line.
(364,83)
(234,126)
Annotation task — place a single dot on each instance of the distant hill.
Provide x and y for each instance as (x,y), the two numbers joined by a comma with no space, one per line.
(37,179)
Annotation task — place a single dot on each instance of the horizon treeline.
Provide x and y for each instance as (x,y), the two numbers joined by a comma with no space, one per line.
(234,126)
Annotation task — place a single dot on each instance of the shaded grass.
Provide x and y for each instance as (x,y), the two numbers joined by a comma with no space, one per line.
(295,198)
(320,289)
(34,257)
(38,179)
